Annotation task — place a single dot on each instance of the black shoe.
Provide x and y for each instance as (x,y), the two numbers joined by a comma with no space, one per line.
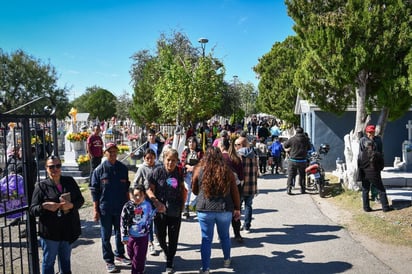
(239,239)
(302,190)
(387,209)
(289,190)
(367,209)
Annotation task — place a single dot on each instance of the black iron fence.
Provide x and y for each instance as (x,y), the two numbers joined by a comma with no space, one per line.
(25,143)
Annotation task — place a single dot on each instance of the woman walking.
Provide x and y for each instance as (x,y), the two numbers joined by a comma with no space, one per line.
(218,200)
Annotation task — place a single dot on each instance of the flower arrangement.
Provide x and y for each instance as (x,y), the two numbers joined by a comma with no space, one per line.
(77,137)
(123,148)
(35,140)
(83,159)
(132,137)
(48,138)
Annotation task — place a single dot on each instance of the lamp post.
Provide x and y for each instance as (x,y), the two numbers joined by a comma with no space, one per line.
(203,41)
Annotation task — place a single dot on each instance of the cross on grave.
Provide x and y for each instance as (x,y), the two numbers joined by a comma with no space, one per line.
(409,128)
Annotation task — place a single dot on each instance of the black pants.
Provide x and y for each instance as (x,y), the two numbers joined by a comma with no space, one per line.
(366,185)
(236,223)
(167,226)
(263,164)
(296,168)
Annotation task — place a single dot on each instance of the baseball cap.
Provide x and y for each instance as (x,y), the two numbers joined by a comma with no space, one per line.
(370,128)
(110,145)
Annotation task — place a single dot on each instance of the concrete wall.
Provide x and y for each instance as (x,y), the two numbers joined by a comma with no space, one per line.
(328,128)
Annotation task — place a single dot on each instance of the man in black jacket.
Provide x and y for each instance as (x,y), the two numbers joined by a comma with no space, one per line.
(297,147)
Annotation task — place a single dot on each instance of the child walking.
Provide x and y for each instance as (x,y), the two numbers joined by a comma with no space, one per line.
(136,218)
(149,164)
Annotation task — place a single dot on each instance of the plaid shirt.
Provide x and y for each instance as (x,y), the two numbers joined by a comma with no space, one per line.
(250,171)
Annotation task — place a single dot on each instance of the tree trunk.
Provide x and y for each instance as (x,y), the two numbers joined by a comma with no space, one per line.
(382,121)
(352,139)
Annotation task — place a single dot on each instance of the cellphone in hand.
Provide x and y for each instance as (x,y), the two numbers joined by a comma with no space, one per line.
(66,196)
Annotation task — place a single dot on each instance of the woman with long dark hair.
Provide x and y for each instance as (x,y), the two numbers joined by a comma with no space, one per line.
(218,200)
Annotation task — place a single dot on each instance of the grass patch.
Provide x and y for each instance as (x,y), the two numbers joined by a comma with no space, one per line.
(84,188)
(394,227)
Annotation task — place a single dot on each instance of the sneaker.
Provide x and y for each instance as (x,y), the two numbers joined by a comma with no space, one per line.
(204,272)
(152,250)
(169,270)
(387,209)
(111,268)
(226,263)
(123,260)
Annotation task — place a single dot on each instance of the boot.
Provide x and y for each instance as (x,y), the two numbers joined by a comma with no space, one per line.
(384,201)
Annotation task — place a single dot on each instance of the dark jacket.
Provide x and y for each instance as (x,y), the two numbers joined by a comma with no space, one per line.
(371,163)
(110,187)
(51,226)
(299,145)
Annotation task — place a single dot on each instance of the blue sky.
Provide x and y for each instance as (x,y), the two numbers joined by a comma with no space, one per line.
(90,42)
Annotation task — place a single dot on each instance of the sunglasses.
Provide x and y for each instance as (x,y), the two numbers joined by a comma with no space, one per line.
(55,166)
(238,144)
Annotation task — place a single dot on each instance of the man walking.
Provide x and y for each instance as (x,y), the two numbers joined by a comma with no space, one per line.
(109,187)
(250,173)
(95,148)
(298,147)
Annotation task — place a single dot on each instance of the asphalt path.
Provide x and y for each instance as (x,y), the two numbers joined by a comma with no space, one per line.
(289,234)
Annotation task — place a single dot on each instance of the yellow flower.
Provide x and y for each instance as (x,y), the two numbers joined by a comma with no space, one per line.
(35,140)
(123,148)
(77,137)
(83,159)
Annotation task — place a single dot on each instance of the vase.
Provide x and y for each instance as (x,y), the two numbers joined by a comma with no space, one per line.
(77,145)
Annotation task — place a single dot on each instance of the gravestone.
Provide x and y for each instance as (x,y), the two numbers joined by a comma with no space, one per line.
(407,149)
(72,150)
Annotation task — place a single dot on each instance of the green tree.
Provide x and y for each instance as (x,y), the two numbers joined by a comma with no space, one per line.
(276,70)
(355,51)
(99,102)
(181,84)
(23,79)
(123,104)
(144,77)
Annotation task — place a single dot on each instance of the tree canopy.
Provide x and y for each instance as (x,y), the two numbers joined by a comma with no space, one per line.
(23,79)
(99,102)
(177,83)
(355,51)
(276,70)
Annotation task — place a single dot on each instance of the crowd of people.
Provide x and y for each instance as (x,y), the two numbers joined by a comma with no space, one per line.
(214,184)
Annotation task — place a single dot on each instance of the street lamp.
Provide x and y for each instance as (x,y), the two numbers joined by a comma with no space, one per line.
(203,41)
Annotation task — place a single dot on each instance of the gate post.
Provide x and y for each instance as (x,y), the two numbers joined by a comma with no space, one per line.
(33,252)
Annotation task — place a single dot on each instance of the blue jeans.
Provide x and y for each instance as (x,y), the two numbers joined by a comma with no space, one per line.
(51,249)
(248,210)
(107,222)
(207,221)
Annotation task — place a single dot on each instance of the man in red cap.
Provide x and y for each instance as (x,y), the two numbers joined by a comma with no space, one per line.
(109,187)
(377,146)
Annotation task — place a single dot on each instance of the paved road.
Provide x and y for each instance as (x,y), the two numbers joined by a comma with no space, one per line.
(289,235)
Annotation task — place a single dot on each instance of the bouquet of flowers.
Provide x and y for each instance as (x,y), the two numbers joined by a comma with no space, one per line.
(77,137)
(123,148)
(83,159)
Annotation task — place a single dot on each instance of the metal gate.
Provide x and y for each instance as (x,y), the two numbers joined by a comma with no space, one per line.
(25,143)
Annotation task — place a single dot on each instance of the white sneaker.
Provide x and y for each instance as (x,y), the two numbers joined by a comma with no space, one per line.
(226,263)
(204,272)
(152,250)
(111,268)
(123,260)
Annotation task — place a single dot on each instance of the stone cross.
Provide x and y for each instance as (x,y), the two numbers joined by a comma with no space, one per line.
(409,127)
